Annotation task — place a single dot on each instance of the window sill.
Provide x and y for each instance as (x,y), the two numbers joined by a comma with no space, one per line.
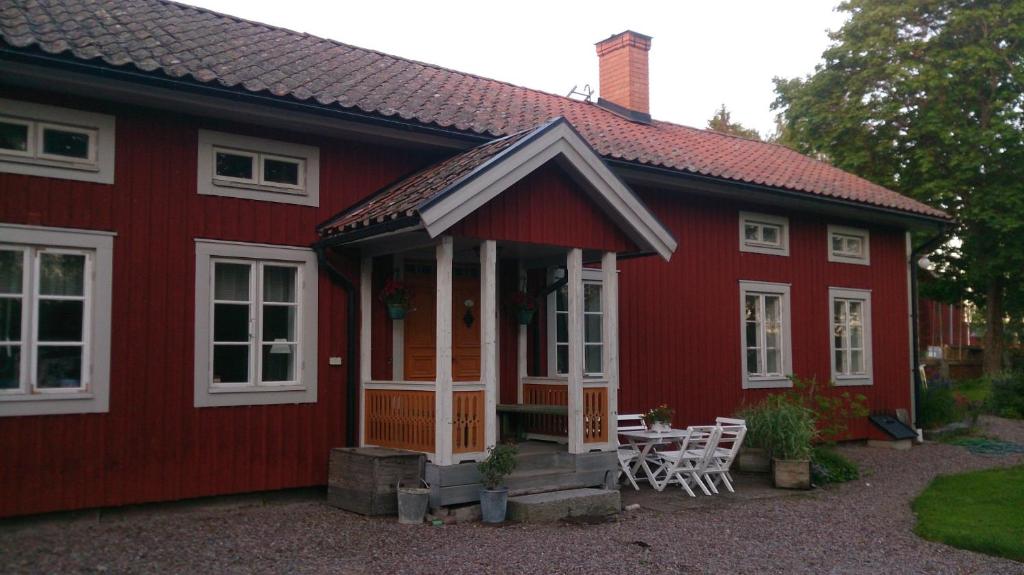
(256,388)
(259,188)
(837,259)
(27,404)
(852,381)
(765,250)
(45,396)
(767,383)
(256,395)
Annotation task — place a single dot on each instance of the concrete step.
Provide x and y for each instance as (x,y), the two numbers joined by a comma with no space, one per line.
(555,505)
(549,460)
(542,480)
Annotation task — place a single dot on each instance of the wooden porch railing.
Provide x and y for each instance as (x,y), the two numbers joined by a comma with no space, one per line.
(468,422)
(595,411)
(398,418)
(595,414)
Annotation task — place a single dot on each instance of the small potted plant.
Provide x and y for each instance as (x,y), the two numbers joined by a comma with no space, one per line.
(500,462)
(396,296)
(523,306)
(659,418)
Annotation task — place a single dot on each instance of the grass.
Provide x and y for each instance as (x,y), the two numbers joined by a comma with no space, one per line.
(979,511)
(974,389)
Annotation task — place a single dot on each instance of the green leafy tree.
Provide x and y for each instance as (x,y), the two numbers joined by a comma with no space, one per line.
(926,97)
(722,122)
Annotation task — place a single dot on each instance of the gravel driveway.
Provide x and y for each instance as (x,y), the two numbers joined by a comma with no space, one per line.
(861,527)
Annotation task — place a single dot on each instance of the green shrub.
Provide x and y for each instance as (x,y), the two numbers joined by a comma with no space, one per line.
(1007,396)
(828,466)
(832,409)
(501,461)
(938,405)
(782,426)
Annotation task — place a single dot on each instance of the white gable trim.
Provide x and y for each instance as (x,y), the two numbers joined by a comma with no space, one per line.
(558,140)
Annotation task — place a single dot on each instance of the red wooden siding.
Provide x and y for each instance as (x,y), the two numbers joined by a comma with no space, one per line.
(545,207)
(153,444)
(679,322)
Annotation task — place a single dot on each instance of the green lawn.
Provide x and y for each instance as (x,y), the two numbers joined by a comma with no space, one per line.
(980,511)
(974,389)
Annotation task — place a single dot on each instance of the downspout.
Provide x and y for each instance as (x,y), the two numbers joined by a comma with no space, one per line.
(915,254)
(351,328)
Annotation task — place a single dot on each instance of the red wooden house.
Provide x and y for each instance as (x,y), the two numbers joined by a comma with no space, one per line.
(198,212)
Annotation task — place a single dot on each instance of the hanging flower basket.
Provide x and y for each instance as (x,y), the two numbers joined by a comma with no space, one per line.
(523,306)
(396,296)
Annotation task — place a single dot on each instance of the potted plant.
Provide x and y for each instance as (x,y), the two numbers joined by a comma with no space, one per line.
(523,306)
(659,418)
(753,456)
(396,296)
(787,429)
(500,462)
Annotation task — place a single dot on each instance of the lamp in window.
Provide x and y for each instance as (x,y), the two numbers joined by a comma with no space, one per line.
(280,346)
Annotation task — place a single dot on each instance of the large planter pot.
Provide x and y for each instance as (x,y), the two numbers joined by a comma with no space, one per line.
(493,504)
(396,311)
(791,473)
(525,316)
(754,460)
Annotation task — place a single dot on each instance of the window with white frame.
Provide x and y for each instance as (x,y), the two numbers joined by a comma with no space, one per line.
(764,234)
(257,168)
(765,334)
(849,245)
(40,140)
(558,326)
(851,336)
(54,320)
(255,324)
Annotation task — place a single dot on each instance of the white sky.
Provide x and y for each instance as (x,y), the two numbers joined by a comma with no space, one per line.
(704,53)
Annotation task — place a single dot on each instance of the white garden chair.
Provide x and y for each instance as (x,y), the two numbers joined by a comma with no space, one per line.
(732,434)
(628,455)
(687,465)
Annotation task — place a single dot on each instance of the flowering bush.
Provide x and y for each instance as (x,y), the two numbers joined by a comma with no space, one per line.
(521,301)
(661,414)
(395,292)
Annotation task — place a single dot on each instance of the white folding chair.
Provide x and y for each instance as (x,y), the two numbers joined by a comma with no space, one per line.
(728,447)
(687,465)
(628,455)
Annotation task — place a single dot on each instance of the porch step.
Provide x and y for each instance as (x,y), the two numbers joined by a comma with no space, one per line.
(542,480)
(555,505)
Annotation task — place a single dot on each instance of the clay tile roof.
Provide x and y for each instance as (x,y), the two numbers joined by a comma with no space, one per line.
(181,41)
(404,198)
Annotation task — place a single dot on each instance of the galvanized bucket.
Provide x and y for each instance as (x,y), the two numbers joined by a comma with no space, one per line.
(412,503)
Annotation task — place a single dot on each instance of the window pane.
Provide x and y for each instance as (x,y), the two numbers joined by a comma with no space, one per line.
(230,364)
(11,263)
(591,297)
(772,308)
(752,333)
(751,308)
(10,366)
(230,322)
(841,362)
(770,234)
(774,361)
(837,243)
(562,299)
(60,320)
(839,312)
(752,362)
(234,165)
(231,282)
(278,362)
(278,323)
(592,328)
(61,274)
(771,334)
(853,246)
(562,359)
(13,137)
(855,312)
(562,328)
(10,319)
(59,366)
(592,359)
(65,143)
(856,336)
(279,284)
(856,361)
(750,232)
(281,172)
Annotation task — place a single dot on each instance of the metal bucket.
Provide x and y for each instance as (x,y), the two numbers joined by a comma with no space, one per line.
(412,503)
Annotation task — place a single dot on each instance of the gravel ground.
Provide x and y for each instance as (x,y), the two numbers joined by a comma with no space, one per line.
(864,526)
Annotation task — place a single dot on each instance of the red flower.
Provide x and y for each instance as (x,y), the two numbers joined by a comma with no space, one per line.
(395,292)
(521,301)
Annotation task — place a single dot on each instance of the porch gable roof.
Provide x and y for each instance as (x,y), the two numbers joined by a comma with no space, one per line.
(441,195)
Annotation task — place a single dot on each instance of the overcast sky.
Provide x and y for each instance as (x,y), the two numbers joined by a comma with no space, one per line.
(704,53)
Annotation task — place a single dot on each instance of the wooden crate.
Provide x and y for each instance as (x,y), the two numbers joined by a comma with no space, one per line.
(363,479)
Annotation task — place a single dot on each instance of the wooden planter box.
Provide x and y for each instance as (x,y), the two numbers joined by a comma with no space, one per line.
(791,474)
(364,479)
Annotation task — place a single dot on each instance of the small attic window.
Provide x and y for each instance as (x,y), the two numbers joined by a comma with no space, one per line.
(258,169)
(849,245)
(764,234)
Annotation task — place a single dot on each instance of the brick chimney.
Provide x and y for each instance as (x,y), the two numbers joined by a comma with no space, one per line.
(624,88)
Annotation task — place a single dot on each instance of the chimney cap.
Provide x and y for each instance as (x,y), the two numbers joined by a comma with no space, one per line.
(622,39)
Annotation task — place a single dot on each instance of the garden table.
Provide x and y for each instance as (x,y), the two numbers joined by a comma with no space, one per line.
(642,442)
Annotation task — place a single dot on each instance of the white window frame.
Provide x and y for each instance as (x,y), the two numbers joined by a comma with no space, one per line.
(591,276)
(863,296)
(307,193)
(94,394)
(767,381)
(780,249)
(304,388)
(846,258)
(98,167)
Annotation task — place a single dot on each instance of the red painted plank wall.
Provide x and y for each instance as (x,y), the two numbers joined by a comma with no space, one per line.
(153,444)
(679,322)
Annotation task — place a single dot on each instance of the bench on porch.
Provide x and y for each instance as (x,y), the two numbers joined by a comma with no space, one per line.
(509,412)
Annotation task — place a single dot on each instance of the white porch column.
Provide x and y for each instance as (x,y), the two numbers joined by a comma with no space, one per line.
(574,266)
(610,335)
(443,385)
(489,337)
(365,347)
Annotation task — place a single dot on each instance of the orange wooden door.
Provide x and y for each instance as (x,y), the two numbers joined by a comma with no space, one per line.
(421,329)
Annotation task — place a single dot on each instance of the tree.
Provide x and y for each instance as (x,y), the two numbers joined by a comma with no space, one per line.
(722,123)
(926,97)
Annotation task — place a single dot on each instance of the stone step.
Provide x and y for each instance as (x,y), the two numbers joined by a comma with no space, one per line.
(555,505)
(549,460)
(542,480)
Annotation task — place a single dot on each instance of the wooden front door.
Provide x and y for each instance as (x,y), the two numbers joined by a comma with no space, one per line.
(421,329)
